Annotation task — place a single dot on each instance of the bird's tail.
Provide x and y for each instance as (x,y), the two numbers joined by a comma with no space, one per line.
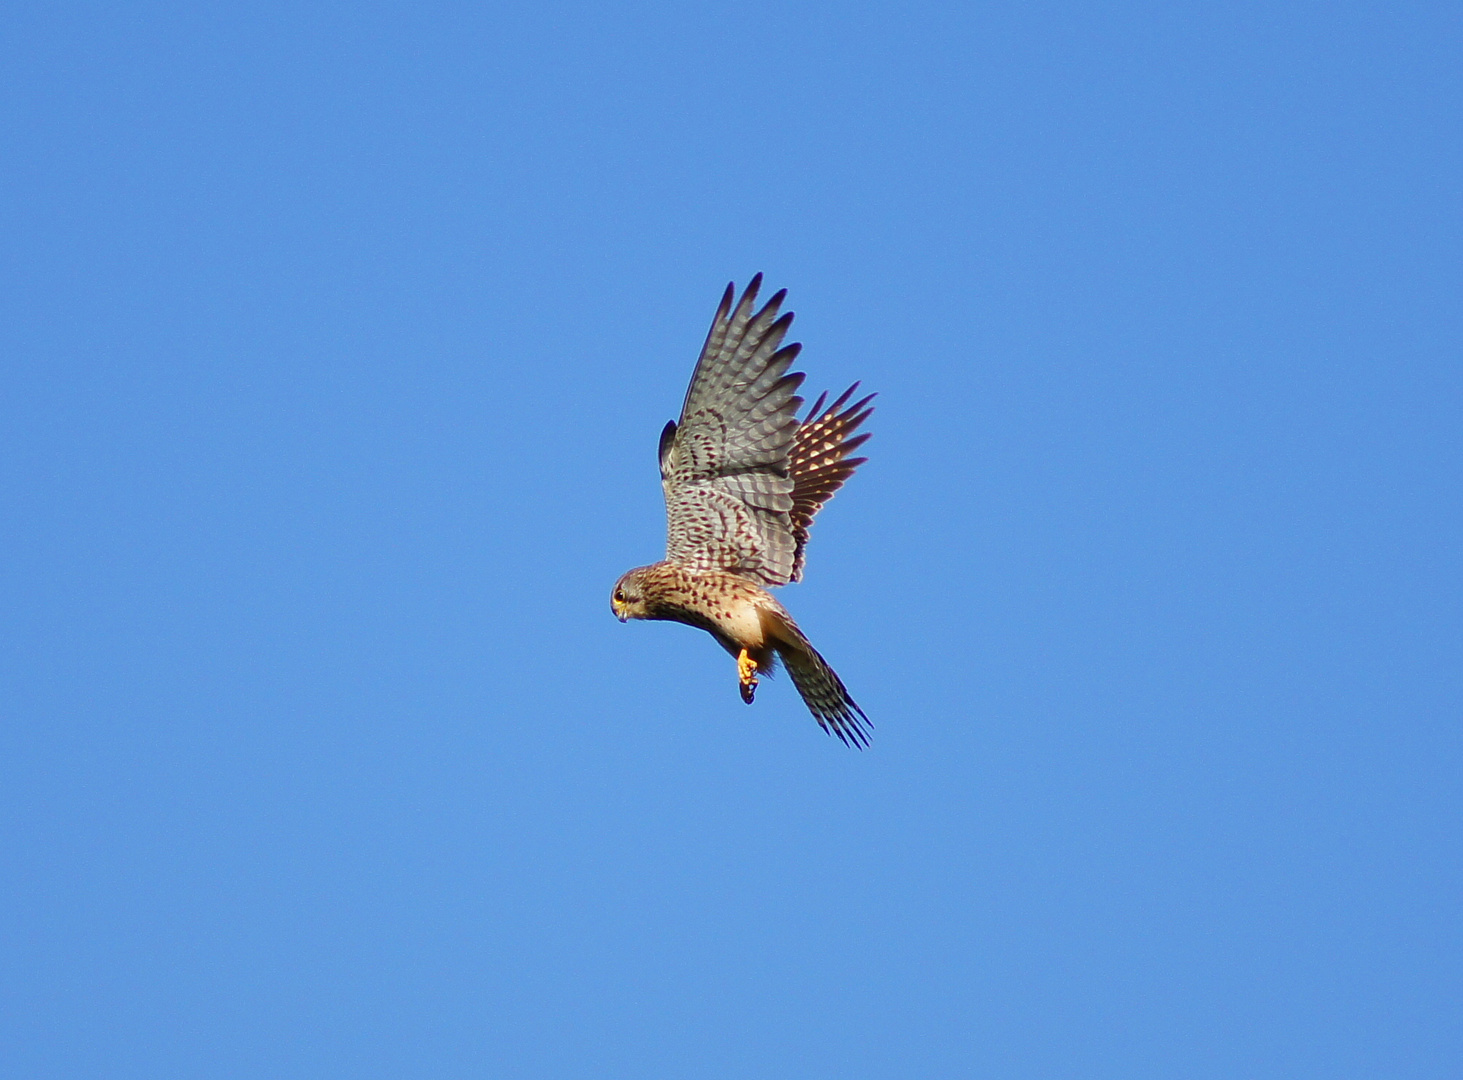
(822,690)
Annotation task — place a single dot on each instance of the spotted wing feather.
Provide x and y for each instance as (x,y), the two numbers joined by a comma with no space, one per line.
(724,468)
(818,462)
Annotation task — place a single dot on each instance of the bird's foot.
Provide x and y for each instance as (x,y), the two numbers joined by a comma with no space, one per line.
(747,674)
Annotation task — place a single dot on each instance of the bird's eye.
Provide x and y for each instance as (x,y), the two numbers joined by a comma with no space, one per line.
(619,597)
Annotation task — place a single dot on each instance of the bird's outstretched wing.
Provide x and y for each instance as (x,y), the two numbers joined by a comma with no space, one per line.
(728,493)
(818,462)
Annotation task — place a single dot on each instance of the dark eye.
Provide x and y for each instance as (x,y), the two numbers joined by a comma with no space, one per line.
(619,596)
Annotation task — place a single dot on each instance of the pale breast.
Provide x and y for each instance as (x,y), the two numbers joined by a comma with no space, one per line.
(741,620)
(728,605)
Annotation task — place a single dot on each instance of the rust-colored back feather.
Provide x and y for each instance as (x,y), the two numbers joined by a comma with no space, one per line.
(818,462)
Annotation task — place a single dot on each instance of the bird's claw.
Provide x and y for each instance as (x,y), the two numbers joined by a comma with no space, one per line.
(747,675)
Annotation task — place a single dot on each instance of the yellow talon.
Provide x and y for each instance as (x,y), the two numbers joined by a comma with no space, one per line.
(747,673)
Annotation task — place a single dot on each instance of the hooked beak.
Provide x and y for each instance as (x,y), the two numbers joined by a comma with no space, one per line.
(619,610)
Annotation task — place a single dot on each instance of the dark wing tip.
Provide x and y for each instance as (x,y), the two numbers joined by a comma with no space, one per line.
(792,380)
(849,727)
(819,410)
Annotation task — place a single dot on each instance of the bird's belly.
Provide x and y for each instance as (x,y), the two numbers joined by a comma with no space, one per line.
(741,620)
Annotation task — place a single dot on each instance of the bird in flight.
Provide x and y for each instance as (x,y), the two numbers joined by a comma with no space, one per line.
(743,478)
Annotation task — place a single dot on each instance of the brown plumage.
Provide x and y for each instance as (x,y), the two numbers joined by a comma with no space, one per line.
(818,462)
(743,480)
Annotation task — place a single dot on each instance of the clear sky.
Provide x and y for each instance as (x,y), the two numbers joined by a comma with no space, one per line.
(336,341)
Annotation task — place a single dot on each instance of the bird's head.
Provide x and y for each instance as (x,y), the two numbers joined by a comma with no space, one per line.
(628,599)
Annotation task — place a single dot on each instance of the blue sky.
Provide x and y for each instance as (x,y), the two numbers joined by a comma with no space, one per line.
(336,344)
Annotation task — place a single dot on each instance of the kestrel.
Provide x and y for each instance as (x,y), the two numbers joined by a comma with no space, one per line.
(743,478)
